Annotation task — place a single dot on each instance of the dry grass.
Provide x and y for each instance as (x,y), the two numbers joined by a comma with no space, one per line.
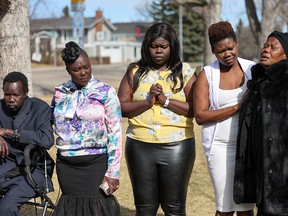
(200,199)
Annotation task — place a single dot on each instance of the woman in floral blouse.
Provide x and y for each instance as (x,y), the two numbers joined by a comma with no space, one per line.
(87,118)
(156,96)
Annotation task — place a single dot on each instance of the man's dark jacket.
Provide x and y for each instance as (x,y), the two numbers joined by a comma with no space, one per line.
(261,169)
(34,125)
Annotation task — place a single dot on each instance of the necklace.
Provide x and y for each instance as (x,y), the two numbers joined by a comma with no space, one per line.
(161,70)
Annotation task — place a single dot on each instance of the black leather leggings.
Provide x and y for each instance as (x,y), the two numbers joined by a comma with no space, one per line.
(160,174)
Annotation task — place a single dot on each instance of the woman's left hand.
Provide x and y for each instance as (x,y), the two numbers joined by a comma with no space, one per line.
(113,183)
(161,98)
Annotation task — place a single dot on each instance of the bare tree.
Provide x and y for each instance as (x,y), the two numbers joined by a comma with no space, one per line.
(143,11)
(212,11)
(273,17)
(33,6)
(14,40)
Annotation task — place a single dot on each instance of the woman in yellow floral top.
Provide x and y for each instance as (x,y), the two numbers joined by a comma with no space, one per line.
(156,96)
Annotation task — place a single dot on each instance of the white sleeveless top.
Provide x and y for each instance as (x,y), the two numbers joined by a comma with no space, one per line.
(228,98)
(212,72)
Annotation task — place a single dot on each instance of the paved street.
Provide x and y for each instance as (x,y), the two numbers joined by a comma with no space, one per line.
(45,79)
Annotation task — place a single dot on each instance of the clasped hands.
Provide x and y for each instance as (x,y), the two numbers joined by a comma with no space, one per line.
(156,94)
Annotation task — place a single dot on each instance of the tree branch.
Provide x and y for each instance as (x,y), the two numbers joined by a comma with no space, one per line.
(254,22)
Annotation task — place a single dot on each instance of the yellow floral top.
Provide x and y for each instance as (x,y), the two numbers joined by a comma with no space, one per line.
(159,124)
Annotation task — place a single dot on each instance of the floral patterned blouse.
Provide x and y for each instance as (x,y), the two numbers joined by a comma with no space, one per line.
(159,124)
(88,121)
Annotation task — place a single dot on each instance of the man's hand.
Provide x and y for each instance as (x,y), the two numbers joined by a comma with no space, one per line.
(6,132)
(4,150)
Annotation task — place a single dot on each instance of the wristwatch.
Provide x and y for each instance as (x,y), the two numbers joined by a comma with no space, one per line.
(166,102)
(16,135)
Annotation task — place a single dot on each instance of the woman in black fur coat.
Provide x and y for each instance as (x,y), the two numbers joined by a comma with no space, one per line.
(261,170)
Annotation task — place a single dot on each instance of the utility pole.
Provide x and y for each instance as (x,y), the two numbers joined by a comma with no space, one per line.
(78,7)
(181,28)
(181,2)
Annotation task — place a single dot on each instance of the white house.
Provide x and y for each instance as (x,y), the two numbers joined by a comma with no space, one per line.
(103,41)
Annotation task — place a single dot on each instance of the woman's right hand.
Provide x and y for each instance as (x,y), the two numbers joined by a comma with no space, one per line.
(238,106)
(112,183)
(153,92)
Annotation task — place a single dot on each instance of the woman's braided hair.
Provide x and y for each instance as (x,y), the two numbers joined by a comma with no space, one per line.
(71,52)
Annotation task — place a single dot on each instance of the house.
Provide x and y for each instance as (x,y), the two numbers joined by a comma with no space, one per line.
(104,42)
(133,32)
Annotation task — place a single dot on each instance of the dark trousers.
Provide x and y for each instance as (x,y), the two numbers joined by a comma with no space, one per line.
(160,174)
(17,191)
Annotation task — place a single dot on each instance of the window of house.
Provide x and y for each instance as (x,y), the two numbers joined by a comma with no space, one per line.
(68,35)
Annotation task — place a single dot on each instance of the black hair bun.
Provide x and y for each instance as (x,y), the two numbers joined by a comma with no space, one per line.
(71,52)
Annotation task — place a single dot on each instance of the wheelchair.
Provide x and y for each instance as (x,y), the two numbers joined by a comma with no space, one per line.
(36,156)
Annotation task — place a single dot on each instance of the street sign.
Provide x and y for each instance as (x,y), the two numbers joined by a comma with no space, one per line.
(77,5)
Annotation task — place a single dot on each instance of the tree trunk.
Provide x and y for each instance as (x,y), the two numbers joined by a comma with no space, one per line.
(15,40)
(268,20)
(211,15)
(270,14)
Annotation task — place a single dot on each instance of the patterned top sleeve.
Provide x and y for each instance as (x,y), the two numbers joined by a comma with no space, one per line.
(113,122)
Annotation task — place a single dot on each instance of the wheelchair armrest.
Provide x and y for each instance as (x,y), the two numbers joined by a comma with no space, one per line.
(27,151)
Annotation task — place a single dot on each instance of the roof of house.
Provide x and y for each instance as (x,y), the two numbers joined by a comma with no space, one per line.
(130,27)
(65,23)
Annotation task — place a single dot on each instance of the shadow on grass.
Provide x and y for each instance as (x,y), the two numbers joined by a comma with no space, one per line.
(131,212)
(28,210)
(127,212)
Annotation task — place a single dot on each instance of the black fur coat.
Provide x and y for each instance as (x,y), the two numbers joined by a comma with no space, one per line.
(261,169)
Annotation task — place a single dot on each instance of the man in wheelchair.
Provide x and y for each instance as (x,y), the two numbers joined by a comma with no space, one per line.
(23,121)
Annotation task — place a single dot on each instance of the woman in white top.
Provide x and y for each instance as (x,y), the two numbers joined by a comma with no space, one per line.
(217,100)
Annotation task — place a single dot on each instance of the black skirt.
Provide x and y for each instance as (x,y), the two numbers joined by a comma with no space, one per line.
(79,179)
